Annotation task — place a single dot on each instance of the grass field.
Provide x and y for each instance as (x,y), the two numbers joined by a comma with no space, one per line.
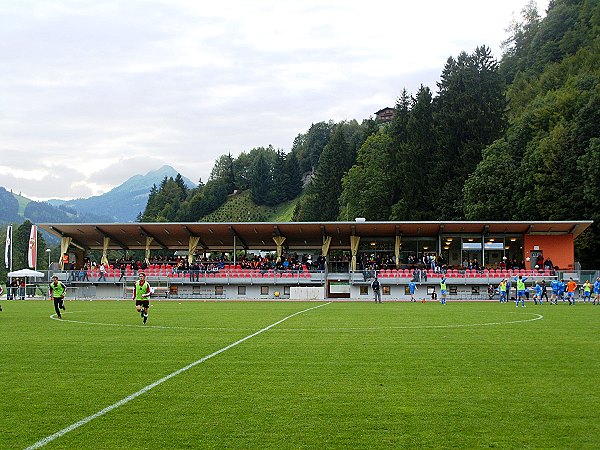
(339,375)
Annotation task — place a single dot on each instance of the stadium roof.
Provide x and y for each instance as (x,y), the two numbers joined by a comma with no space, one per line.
(299,235)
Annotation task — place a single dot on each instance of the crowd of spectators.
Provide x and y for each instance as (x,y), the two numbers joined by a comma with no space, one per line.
(338,262)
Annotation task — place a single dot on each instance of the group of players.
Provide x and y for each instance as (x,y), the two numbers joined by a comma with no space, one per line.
(560,290)
(141,295)
(566,292)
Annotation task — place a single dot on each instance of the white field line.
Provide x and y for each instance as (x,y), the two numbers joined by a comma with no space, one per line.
(133,396)
(418,327)
(414,327)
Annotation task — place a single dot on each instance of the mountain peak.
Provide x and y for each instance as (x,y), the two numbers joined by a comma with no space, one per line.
(125,201)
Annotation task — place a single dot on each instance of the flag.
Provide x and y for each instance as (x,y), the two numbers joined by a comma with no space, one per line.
(8,248)
(32,254)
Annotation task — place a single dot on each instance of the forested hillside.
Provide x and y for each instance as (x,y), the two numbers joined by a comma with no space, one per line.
(515,139)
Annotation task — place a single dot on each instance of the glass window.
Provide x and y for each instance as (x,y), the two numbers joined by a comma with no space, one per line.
(471,252)
(364,290)
(241,290)
(451,250)
(264,290)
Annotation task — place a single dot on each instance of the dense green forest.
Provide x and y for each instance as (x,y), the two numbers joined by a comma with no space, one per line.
(514,139)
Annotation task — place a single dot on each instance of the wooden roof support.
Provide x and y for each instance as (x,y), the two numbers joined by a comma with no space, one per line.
(147,234)
(201,243)
(238,237)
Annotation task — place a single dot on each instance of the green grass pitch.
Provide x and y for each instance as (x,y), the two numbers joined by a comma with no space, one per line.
(344,375)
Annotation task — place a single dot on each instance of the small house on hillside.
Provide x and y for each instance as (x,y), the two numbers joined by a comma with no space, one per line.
(385,114)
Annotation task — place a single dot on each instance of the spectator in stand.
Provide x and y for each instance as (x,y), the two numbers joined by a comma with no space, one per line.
(539,261)
(84,272)
(548,264)
(122,268)
(102,276)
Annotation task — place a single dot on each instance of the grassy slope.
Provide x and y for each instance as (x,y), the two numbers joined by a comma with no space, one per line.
(241,208)
(347,375)
(22,203)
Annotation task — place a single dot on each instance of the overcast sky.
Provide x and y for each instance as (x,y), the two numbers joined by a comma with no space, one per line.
(95,92)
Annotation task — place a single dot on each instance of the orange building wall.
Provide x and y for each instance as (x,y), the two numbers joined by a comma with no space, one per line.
(559,249)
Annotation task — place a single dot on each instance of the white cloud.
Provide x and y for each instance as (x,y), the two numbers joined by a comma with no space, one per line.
(96,87)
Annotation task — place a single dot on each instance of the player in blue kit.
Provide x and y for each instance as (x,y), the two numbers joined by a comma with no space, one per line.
(596,292)
(555,288)
(520,289)
(412,287)
(561,290)
(502,290)
(537,296)
(443,289)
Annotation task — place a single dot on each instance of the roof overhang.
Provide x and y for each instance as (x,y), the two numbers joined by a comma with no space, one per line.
(220,236)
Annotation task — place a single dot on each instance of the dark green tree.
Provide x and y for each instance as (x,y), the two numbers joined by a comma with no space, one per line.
(367,187)
(294,181)
(321,202)
(415,185)
(261,180)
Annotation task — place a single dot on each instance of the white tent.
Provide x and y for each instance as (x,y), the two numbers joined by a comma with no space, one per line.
(25,273)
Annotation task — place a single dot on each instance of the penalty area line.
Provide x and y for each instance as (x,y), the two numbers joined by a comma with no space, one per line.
(133,396)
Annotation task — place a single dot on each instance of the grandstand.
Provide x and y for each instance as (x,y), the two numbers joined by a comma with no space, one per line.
(472,255)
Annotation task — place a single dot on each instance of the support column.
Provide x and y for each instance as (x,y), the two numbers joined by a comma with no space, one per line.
(64,248)
(105,244)
(148,242)
(192,245)
(354,242)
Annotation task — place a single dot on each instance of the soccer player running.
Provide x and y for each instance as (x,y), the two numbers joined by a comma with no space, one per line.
(443,289)
(141,295)
(571,286)
(520,290)
(57,292)
(412,287)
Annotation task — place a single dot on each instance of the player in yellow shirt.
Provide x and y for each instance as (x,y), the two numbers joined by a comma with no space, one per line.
(141,295)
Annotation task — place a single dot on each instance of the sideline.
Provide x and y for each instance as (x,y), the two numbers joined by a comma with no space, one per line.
(133,396)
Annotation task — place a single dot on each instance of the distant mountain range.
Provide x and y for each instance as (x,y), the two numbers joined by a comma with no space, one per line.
(121,204)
